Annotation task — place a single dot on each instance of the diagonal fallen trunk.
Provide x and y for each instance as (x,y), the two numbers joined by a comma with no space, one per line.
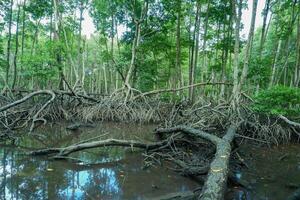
(215,185)
(61,152)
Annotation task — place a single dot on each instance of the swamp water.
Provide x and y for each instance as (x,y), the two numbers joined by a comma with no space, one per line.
(273,174)
(118,173)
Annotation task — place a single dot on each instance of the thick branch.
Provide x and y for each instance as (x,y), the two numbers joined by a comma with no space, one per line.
(289,121)
(103,143)
(191,131)
(15,103)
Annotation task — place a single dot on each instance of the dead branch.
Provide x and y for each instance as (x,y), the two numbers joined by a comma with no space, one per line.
(15,103)
(292,123)
(61,152)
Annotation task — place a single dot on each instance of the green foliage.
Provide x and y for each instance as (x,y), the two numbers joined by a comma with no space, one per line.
(41,65)
(278,100)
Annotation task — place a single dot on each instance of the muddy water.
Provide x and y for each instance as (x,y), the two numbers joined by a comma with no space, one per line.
(117,174)
(273,174)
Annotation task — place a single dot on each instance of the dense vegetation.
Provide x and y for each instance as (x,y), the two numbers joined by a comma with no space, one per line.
(162,44)
(185,64)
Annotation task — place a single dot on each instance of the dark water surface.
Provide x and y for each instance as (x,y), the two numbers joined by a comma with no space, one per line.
(274,173)
(117,174)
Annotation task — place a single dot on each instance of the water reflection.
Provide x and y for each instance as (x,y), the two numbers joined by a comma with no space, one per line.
(118,175)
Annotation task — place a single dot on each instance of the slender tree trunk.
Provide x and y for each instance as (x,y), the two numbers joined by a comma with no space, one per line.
(248,48)
(263,31)
(237,18)
(23,28)
(204,56)
(57,38)
(9,42)
(80,65)
(135,43)
(227,38)
(105,80)
(275,64)
(194,59)
(178,44)
(113,81)
(297,66)
(35,38)
(133,53)
(16,50)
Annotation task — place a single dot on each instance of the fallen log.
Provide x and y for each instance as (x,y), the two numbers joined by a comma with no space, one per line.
(65,151)
(215,185)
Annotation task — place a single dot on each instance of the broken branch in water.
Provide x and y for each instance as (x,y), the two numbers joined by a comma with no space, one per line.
(59,152)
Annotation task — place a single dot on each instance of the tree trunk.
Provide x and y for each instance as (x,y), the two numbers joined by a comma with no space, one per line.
(78,82)
(9,42)
(297,65)
(237,19)
(215,185)
(194,55)
(135,43)
(16,50)
(23,28)
(263,31)
(57,38)
(275,64)
(178,45)
(248,49)
(204,56)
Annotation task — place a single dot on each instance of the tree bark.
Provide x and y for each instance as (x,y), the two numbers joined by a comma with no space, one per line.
(237,19)
(195,49)
(61,152)
(275,64)
(136,42)
(248,49)
(9,42)
(57,38)
(178,44)
(16,50)
(297,65)
(23,28)
(215,185)
(263,31)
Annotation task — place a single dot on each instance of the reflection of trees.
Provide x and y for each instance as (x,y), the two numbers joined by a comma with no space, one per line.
(28,178)
(25,178)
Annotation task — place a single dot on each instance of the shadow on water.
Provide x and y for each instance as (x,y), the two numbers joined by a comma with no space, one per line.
(117,174)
